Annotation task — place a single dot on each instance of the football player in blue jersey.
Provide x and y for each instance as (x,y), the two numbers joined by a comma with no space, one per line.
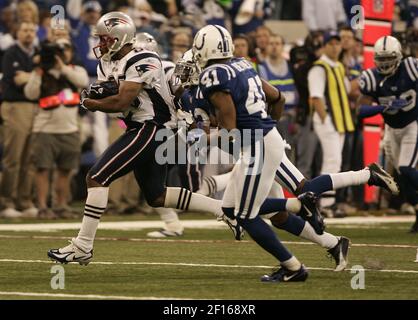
(392,85)
(238,97)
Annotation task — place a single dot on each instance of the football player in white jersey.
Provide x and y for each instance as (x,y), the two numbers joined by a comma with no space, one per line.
(393,85)
(144,101)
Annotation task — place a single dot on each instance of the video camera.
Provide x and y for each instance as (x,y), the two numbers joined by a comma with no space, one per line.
(48,52)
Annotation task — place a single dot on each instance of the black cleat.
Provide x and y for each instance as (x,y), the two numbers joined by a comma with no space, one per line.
(310,212)
(380,178)
(286,275)
(340,253)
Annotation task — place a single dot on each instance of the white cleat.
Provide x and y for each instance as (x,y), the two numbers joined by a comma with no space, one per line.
(380,178)
(164,233)
(70,253)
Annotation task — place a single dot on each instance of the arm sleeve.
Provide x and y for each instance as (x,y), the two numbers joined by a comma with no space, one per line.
(316,82)
(308,13)
(32,89)
(215,79)
(144,71)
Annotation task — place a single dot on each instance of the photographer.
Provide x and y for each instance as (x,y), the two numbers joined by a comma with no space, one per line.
(56,141)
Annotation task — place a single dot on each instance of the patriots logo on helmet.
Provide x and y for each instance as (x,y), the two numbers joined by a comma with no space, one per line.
(142,68)
(110,23)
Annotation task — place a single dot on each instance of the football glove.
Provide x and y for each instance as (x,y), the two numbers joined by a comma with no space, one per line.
(102,90)
(83,96)
(397,104)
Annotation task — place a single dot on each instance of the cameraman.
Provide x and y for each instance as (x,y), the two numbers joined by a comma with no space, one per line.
(56,140)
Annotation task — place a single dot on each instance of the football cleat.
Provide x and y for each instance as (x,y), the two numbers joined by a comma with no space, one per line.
(236,229)
(70,253)
(380,178)
(414,228)
(164,233)
(309,211)
(285,275)
(340,253)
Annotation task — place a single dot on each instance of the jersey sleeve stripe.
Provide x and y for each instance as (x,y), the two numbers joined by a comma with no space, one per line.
(139,57)
(368,81)
(413,66)
(373,79)
(409,70)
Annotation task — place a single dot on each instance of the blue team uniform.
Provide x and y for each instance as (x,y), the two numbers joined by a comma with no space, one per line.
(402,85)
(239,78)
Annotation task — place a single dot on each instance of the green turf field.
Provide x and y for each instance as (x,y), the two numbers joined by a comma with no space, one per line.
(207,264)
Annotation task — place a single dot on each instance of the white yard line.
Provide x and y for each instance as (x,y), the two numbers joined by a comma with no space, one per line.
(371,245)
(204,265)
(195,224)
(81,296)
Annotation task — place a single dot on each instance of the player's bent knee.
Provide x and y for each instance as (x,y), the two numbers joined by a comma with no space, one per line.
(279,219)
(92,183)
(156,202)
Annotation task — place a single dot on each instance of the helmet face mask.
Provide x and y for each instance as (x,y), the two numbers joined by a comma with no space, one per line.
(115,30)
(386,64)
(103,49)
(187,71)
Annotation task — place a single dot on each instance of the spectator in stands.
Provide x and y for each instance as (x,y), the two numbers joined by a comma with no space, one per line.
(83,39)
(262,40)
(248,15)
(7,26)
(278,72)
(328,89)
(243,49)
(180,43)
(56,140)
(17,112)
(323,15)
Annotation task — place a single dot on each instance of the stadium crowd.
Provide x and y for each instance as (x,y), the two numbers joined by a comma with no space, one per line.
(46,140)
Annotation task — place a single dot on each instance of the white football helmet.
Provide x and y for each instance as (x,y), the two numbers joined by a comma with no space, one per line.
(187,70)
(212,42)
(114,29)
(146,41)
(387,55)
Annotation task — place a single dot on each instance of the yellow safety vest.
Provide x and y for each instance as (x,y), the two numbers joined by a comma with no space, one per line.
(336,96)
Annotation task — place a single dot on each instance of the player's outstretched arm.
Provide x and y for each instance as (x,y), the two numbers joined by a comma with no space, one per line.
(120,102)
(275,100)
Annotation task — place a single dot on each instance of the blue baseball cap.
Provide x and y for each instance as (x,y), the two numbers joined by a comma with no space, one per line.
(330,35)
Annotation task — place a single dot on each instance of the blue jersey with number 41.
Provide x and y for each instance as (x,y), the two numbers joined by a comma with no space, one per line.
(238,78)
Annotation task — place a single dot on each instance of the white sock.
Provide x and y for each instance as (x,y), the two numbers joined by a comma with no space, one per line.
(213,184)
(95,205)
(292,264)
(183,199)
(293,205)
(350,178)
(325,240)
(167,214)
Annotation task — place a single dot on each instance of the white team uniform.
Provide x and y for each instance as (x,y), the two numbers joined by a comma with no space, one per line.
(154,102)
